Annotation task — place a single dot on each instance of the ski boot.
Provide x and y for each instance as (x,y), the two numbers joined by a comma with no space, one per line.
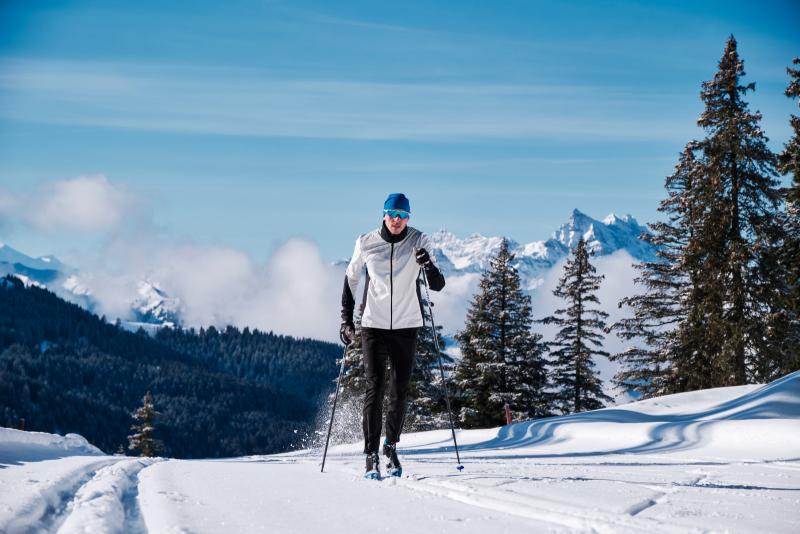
(393,467)
(373,466)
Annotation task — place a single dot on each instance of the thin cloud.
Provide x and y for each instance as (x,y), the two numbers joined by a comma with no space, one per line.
(247,102)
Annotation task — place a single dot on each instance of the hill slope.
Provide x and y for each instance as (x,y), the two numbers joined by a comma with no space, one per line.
(225,393)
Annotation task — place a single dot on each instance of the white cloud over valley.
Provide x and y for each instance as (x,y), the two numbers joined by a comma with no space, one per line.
(82,204)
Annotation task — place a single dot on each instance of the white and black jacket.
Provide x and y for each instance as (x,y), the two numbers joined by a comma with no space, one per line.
(392,296)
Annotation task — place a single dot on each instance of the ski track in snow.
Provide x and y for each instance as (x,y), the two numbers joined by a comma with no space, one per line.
(537,508)
(100,496)
(108,502)
(719,460)
(516,489)
(43,511)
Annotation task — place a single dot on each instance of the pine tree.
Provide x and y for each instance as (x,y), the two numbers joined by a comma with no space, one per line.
(789,159)
(143,438)
(678,320)
(354,382)
(742,195)
(426,403)
(731,321)
(727,319)
(660,312)
(347,423)
(789,163)
(778,341)
(578,386)
(502,360)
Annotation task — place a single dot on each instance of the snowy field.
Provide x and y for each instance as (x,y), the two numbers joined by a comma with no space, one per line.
(723,460)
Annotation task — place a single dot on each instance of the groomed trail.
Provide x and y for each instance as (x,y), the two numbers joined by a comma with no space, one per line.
(726,459)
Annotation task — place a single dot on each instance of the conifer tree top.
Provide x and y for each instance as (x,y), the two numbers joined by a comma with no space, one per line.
(724,91)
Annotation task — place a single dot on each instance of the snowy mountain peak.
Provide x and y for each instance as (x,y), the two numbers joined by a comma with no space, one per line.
(153,305)
(468,254)
(473,253)
(612,218)
(606,236)
(578,226)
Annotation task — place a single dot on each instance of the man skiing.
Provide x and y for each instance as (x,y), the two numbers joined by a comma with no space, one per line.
(391,309)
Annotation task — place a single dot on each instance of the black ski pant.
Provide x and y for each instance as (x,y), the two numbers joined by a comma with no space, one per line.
(399,347)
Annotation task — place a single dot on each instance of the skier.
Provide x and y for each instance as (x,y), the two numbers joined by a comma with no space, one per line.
(391,309)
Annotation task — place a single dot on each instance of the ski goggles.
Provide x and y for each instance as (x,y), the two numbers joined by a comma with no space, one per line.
(397,213)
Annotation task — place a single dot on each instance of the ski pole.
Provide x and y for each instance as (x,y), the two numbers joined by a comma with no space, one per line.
(441,368)
(335,398)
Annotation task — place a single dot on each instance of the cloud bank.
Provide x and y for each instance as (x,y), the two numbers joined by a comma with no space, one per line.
(82,204)
(294,292)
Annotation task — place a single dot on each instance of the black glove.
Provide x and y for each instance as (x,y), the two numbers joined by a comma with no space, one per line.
(347,332)
(423,258)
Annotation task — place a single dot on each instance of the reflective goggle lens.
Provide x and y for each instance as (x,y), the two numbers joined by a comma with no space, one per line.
(397,213)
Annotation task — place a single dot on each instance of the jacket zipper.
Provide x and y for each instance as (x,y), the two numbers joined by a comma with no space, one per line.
(391,286)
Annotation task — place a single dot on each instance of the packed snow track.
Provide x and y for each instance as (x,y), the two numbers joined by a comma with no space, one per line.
(718,460)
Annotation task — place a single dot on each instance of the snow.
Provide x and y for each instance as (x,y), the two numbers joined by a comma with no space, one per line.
(290,495)
(73,284)
(716,460)
(107,503)
(37,472)
(154,306)
(469,254)
(16,445)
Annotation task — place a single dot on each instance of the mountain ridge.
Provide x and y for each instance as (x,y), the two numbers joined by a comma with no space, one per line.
(472,254)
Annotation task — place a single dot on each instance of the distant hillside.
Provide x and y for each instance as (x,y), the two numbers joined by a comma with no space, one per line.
(226,393)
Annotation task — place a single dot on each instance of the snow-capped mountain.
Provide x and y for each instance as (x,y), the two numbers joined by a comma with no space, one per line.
(151,305)
(472,254)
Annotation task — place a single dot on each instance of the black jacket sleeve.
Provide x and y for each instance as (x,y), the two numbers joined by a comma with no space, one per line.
(348,302)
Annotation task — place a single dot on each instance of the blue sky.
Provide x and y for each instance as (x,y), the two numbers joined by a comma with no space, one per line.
(245,123)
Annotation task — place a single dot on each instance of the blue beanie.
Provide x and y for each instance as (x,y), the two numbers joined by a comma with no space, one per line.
(397,201)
